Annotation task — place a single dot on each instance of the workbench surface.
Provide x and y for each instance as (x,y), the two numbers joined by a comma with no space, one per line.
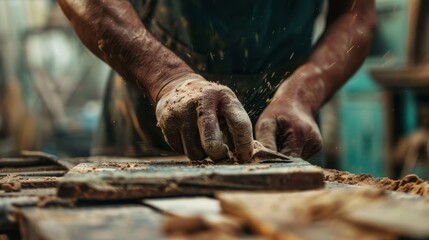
(37,213)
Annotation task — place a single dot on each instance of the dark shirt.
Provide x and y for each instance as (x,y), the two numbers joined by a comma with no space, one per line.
(233,37)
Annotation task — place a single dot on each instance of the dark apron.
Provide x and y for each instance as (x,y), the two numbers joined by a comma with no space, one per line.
(128,122)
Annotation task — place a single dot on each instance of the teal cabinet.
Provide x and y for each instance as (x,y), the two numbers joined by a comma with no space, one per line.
(361,133)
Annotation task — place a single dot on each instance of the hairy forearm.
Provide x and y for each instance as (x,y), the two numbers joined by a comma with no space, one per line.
(112,30)
(337,56)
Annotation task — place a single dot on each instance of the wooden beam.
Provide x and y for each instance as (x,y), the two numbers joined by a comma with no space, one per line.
(112,181)
(102,222)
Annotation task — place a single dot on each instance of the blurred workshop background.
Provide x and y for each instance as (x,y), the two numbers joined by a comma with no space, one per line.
(51,91)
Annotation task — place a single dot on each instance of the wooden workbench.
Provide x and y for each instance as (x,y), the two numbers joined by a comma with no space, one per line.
(35,213)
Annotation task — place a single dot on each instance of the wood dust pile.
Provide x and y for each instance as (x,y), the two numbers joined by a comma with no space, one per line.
(409,184)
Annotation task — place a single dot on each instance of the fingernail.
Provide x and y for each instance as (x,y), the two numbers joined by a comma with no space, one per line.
(245,157)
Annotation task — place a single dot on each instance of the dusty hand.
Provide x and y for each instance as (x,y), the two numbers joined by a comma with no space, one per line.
(190,113)
(288,127)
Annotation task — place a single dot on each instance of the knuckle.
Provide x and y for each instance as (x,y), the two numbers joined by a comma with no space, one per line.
(210,91)
(299,132)
(226,90)
(315,141)
(291,140)
(314,136)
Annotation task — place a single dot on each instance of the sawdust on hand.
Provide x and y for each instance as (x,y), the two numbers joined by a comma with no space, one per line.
(191,116)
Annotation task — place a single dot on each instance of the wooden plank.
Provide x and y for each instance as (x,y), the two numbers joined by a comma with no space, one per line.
(205,208)
(8,211)
(163,160)
(31,181)
(29,192)
(110,181)
(103,222)
(58,173)
(327,214)
(39,182)
(407,219)
(198,218)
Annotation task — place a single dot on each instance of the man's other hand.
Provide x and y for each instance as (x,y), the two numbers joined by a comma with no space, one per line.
(288,126)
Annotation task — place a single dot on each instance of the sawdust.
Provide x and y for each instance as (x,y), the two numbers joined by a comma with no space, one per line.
(11,183)
(258,167)
(11,187)
(409,184)
(109,166)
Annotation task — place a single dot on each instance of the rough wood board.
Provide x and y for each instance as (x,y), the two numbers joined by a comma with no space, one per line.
(111,181)
(206,208)
(104,222)
(160,160)
(8,209)
(324,214)
(35,173)
(31,181)
(197,218)
(407,219)
(29,192)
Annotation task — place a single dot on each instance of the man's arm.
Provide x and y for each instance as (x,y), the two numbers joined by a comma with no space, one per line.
(288,124)
(340,52)
(113,31)
(187,106)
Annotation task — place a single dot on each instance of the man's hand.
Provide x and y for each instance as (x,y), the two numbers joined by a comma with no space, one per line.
(287,126)
(191,111)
